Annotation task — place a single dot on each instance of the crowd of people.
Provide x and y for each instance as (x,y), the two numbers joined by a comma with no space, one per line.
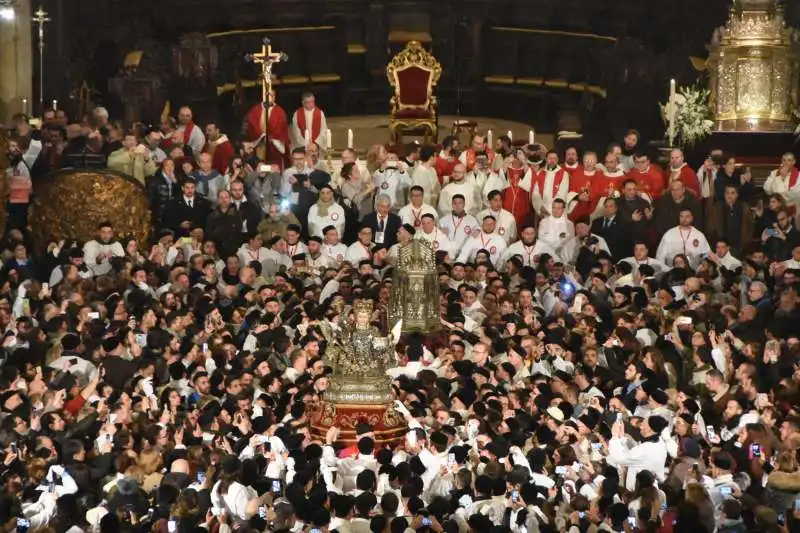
(618,347)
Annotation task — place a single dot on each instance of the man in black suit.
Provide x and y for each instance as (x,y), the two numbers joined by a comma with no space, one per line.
(384,224)
(614,231)
(188,211)
(251,213)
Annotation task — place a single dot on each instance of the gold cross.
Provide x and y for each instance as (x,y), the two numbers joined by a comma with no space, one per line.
(266,58)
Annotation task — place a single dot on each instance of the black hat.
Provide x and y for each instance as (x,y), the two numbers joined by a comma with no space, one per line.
(70,341)
(657,423)
(437,437)
(111,343)
(659,396)
(409,228)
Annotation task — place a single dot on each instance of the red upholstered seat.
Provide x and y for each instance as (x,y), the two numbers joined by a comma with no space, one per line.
(413,73)
(411,112)
(413,86)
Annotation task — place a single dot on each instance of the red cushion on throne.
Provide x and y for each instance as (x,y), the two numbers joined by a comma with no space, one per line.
(413,113)
(413,84)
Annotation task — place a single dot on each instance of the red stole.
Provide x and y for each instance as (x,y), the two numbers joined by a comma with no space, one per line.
(650,182)
(580,182)
(515,198)
(605,186)
(541,176)
(688,177)
(187,133)
(470,157)
(793,177)
(316,122)
(444,167)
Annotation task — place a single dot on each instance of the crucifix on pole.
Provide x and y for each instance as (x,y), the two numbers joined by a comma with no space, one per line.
(266,57)
(39,18)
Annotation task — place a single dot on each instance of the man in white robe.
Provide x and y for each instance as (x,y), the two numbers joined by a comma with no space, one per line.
(641,256)
(683,239)
(434,236)
(506,225)
(549,183)
(484,239)
(784,181)
(458,224)
(311,124)
(192,134)
(412,213)
(526,247)
(459,185)
(556,229)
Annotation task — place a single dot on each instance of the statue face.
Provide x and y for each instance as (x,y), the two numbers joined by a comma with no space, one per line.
(362,319)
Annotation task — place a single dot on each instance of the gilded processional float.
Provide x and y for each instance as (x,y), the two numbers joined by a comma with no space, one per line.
(359,354)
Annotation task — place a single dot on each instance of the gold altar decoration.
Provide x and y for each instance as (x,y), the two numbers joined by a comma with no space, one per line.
(754,69)
(412,74)
(70,203)
(415,288)
(359,356)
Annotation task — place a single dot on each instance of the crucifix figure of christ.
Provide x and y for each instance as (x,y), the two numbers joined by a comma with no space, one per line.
(266,57)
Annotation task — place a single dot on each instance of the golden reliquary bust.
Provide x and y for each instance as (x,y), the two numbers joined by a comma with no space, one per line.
(359,356)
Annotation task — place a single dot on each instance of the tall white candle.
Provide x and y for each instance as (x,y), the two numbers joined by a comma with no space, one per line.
(671,110)
(55,104)
(510,136)
(24,106)
(349,137)
(330,138)
(671,89)
(489,138)
(530,137)
(307,137)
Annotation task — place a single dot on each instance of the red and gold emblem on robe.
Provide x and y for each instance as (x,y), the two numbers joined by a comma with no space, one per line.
(385,185)
(696,243)
(501,231)
(493,250)
(435,245)
(466,229)
(335,216)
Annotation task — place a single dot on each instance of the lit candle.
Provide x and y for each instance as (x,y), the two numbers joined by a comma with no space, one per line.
(24,106)
(55,104)
(349,138)
(489,138)
(307,137)
(530,137)
(671,111)
(671,89)
(510,136)
(330,138)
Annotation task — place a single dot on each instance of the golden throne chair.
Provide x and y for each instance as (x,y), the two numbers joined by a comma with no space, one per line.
(413,73)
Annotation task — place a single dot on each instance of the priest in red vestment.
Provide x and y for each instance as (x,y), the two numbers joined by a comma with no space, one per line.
(220,148)
(648,176)
(572,162)
(609,183)
(192,136)
(678,169)
(446,161)
(277,134)
(478,147)
(516,195)
(580,202)
(309,121)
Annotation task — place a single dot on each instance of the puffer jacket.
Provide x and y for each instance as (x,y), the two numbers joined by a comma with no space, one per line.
(783,488)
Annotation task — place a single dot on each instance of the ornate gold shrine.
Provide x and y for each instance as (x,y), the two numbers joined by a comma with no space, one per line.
(415,288)
(70,203)
(754,69)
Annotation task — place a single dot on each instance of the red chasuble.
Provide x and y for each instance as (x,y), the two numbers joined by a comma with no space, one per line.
(316,122)
(516,200)
(580,182)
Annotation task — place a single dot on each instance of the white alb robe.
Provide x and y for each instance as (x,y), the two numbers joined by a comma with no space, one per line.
(458,229)
(679,240)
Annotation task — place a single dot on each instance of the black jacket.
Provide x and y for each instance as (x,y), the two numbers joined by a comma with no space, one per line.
(251,213)
(391,227)
(178,211)
(225,228)
(160,192)
(617,234)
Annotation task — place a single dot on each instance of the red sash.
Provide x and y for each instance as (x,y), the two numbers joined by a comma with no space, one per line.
(541,176)
(187,133)
(471,158)
(793,178)
(316,122)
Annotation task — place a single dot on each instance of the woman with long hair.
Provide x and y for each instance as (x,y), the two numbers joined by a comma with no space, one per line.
(356,193)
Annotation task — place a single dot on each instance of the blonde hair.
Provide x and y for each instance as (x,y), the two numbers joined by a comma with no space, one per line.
(150,461)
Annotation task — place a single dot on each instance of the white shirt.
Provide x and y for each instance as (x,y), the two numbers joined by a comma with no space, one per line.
(526,252)
(505,224)
(298,137)
(438,241)
(335,251)
(657,265)
(317,223)
(286,186)
(458,229)
(645,456)
(410,214)
(197,140)
(471,201)
(729,262)
(494,243)
(91,251)
(357,252)
(556,231)
(394,183)
(246,255)
(570,248)
(426,177)
(775,184)
(296,249)
(679,240)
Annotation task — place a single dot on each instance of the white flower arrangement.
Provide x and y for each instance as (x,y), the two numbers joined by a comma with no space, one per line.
(691,114)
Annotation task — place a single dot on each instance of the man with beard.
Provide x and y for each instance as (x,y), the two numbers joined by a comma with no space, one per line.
(549,184)
(220,148)
(680,171)
(571,160)
(152,140)
(189,132)
(458,186)
(74,259)
(469,156)
(630,144)
(99,251)
(525,248)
